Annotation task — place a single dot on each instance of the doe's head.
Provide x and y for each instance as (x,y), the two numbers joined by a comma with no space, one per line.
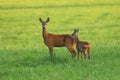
(44,23)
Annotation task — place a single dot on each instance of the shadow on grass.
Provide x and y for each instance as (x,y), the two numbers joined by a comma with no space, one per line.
(42,61)
(56,60)
(32,58)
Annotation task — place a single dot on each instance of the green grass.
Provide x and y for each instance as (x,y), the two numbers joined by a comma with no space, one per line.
(23,55)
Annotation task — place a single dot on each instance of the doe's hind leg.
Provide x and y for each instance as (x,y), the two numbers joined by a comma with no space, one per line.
(71,49)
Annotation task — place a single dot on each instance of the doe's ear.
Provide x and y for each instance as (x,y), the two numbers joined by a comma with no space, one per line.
(48,19)
(40,19)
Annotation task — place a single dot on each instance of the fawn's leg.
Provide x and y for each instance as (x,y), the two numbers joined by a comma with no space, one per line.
(51,52)
(71,49)
(84,53)
(78,55)
(88,51)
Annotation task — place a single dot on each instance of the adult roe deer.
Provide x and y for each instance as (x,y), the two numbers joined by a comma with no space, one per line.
(81,46)
(56,40)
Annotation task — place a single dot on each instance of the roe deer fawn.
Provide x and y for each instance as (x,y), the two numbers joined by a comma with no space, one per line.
(55,40)
(81,46)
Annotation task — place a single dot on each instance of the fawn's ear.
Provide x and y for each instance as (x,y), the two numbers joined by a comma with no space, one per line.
(40,19)
(48,19)
(77,29)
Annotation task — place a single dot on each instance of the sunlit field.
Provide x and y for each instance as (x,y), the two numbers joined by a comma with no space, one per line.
(24,56)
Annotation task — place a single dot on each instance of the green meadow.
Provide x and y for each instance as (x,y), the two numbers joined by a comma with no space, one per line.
(24,56)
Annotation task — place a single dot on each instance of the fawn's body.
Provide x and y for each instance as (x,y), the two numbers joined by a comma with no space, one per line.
(55,40)
(81,46)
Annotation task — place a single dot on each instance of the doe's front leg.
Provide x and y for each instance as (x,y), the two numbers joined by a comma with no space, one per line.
(51,52)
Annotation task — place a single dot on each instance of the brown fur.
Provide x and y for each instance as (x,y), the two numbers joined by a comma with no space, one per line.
(55,40)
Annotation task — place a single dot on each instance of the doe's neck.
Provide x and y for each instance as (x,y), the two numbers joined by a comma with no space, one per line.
(44,33)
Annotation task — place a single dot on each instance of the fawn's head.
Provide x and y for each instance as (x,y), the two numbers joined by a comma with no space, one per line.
(75,34)
(44,23)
